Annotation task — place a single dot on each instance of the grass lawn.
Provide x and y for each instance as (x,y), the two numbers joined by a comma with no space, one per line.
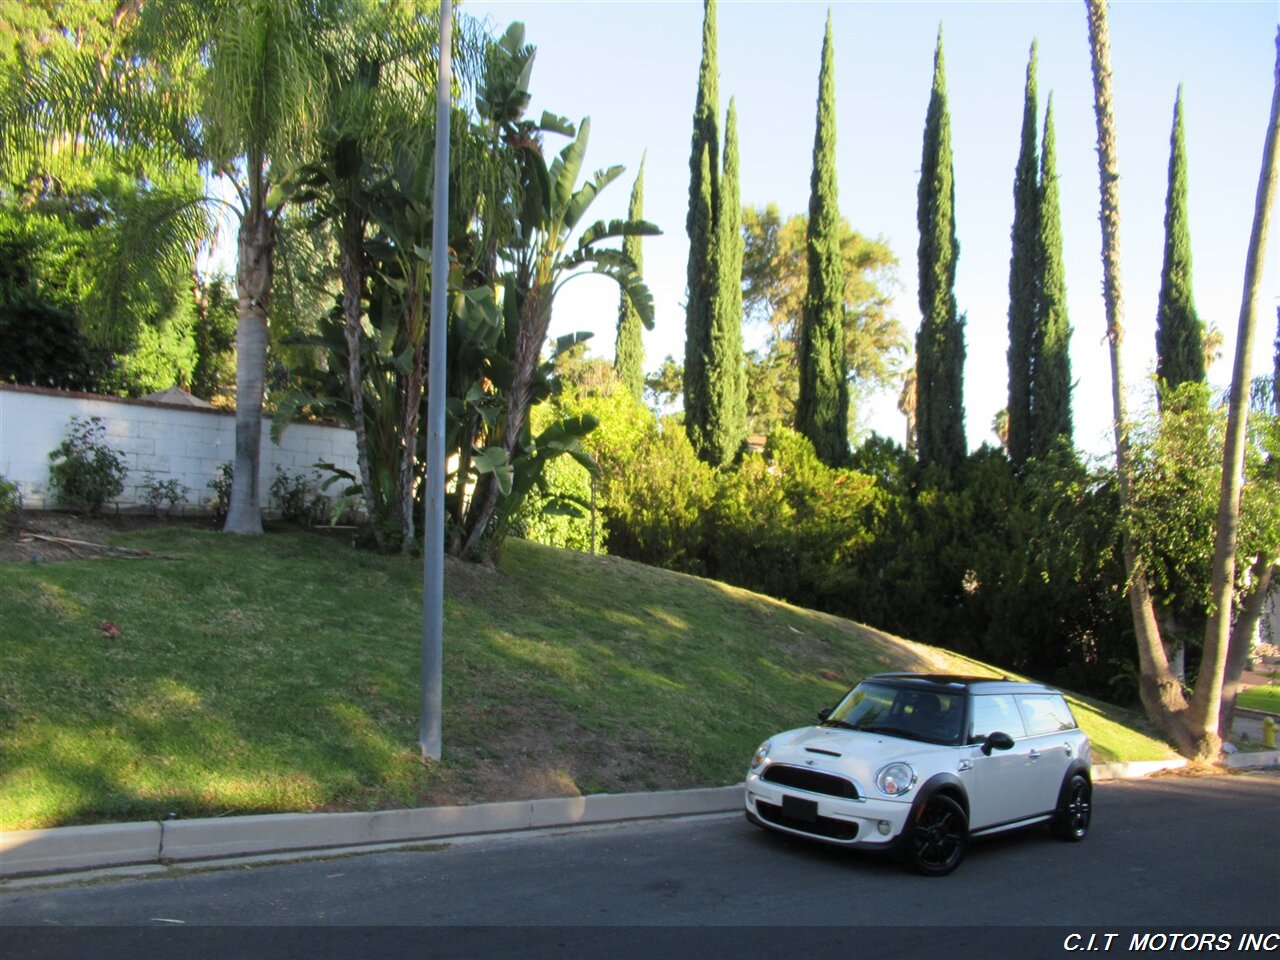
(1261,698)
(281,673)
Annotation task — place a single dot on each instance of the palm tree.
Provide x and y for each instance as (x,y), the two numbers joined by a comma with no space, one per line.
(1158,688)
(1193,726)
(1206,702)
(258,106)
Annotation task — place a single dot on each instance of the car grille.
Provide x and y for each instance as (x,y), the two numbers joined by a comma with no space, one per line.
(812,781)
(826,827)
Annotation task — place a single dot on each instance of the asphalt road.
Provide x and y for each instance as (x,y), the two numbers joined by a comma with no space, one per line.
(1175,853)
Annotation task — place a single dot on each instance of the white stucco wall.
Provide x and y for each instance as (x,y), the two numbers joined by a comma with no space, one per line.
(172,442)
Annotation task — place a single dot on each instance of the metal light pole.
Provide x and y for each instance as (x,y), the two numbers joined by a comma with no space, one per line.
(429,727)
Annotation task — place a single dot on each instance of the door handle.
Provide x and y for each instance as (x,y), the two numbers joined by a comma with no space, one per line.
(1034,755)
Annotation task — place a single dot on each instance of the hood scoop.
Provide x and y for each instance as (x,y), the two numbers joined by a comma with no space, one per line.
(825,753)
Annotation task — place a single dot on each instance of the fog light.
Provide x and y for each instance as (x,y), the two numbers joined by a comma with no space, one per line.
(884,826)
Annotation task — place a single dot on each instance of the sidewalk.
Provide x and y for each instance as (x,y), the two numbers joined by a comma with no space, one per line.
(73,849)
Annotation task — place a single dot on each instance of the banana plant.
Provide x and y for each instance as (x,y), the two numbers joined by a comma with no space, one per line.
(543,255)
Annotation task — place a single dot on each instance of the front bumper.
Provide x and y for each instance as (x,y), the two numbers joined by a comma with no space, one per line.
(865,823)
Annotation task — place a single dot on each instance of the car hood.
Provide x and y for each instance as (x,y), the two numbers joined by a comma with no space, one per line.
(854,753)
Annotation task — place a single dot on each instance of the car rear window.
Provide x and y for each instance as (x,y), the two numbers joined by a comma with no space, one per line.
(1045,713)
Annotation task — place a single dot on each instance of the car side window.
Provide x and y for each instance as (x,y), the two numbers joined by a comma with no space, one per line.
(994,713)
(1045,713)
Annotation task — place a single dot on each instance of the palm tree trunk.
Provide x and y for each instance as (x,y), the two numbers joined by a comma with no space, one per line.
(350,239)
(411,411)
(1242,633)
(1206,702)
(254,268)
(1161,695)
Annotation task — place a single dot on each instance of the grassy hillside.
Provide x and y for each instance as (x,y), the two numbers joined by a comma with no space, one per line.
(281,673)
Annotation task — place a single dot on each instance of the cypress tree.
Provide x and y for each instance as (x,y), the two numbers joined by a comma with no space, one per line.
(704,204)
(726,372)
(628,355)
(940,340)
(1023,274)
(1051,357)
(822,408)
(1179,330)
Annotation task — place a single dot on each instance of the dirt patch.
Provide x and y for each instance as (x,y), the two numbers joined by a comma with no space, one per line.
(42,537)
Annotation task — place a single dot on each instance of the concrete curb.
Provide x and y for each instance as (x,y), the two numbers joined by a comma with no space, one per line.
(64,849)
(1253,761)
(68,849)
(61,849)
(1133,769)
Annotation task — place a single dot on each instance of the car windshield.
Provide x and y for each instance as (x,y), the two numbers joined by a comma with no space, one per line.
(907,712)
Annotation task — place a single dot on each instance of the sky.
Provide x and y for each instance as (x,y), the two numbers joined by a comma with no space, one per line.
(632,67)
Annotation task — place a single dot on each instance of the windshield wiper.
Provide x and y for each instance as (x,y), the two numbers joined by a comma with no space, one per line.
(839,723)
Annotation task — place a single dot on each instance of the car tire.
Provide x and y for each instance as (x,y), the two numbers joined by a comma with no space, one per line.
(1075,809)
(938,837)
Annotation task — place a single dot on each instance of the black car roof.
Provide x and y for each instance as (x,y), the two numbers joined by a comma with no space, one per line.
(941,681)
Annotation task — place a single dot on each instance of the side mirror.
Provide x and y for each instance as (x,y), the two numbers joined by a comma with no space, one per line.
(996,741)
(823,714)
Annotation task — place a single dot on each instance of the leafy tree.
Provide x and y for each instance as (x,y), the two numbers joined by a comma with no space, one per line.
(701,226)
(1179,329)
(822,408)
(940,340)
(215,336)
(1023,275)
(629,351)
(66,212)
(726,378)
(1051,423)
(664,386)
(774,285)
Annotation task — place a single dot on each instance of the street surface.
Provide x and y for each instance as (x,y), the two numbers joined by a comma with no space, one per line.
(1172,852)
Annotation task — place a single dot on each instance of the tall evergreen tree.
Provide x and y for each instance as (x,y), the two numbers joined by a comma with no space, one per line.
(704,203)
(940,340)
(628,356)
(1179,330)
(1023,274)
(1051,357)
(726,370)
(822,408)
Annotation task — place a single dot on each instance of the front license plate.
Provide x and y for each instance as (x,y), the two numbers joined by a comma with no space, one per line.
(798,809)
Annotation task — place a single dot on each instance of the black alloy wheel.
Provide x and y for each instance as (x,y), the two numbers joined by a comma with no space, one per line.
(1075,809)
(939,837)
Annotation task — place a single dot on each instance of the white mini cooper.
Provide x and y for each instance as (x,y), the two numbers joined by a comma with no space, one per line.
(916,764)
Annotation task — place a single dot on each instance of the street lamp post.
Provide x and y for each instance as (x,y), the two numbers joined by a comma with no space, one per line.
(429,727)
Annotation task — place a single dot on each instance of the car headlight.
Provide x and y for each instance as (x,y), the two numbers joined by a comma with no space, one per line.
(762,752)
(895,779)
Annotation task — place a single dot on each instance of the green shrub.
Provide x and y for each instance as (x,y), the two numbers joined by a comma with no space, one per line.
(221,487)
(158,493)
(298,499)
(10,505)
(658,501)
(84,473)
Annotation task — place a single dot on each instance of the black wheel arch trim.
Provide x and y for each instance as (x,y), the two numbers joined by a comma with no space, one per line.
(1078,766)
